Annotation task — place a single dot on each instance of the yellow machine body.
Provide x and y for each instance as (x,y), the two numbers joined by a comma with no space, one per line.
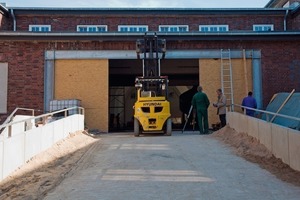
(151,112)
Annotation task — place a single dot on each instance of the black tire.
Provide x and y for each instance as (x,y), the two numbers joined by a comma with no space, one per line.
(136,128)
(168,127)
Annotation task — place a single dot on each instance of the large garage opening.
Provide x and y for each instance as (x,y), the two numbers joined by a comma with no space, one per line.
(183,75)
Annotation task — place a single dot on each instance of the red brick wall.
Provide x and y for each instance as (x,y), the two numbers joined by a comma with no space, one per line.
(4,23)
(69,23)
(25,74)
(280,65)
(280,62)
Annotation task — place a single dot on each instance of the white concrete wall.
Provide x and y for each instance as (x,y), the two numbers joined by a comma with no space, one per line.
(265,133)
(280,142)
(19,127)
(294,149)
(13,153)
(283,142)
(16,150)
(252,127)
(1,157)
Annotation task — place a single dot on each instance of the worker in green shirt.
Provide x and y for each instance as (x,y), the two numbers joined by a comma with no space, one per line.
(201,102)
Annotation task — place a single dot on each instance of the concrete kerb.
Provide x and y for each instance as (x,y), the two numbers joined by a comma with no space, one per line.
(280,143)
(17,149)
(238,121)
(265,134)
(1,157)
(253,127)
(294,148)
(234,120)
(14,154)
(32,143)
(243,125)
(284,143)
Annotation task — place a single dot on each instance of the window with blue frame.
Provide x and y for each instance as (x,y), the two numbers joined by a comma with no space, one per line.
(173,28)
(213,28)
(132,28)
(263,27)
(40,28)
(92,28)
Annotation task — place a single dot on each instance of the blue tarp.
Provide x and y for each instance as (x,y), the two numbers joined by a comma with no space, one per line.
(291,108)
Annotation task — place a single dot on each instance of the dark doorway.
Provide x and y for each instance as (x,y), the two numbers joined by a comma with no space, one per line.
(183,75)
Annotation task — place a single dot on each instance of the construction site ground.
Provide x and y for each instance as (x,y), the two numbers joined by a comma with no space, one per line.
(222,165)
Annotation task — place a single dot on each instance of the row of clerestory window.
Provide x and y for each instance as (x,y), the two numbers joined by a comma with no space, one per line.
(144,28)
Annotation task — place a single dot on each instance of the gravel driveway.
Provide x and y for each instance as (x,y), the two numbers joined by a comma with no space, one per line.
(183,166)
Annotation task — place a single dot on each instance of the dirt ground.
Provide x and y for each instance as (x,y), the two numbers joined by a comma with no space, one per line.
(250,149)
(45,171)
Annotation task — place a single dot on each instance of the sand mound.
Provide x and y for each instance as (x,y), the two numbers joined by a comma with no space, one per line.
(250,149)
(46,170)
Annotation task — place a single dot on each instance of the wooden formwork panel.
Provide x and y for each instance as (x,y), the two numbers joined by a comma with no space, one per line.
(210,80)
(86,80)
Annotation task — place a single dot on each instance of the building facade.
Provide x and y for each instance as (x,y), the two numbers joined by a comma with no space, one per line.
(90,54)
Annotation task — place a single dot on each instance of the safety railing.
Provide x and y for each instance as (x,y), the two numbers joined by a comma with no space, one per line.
(26,136)
(9,118)
(270,116)
(39,120)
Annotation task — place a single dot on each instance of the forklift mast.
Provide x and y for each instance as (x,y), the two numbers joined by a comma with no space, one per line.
(152,50)
(151,47)
(152,108)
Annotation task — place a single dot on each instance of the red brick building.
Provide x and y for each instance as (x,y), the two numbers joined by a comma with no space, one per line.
(89,54)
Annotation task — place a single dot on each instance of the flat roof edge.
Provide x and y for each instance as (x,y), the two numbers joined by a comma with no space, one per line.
(185,11)
(191,36)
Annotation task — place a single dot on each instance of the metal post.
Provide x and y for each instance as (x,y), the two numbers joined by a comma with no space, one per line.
(186,121)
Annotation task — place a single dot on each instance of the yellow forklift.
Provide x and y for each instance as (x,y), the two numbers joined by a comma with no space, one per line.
(152,108)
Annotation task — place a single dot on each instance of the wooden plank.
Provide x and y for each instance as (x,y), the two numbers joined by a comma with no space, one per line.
(245,71)
(285,101)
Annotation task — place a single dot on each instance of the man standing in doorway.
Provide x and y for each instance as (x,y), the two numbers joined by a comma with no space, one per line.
(221,106)
(250,102)
(200,102)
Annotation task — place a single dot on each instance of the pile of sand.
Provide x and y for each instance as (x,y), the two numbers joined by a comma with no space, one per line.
(249,148)
(46,170)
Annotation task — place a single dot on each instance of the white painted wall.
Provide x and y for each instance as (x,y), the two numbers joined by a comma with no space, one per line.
(21,147)
(19,127)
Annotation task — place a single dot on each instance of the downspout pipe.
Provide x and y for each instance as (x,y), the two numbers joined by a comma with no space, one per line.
(285,19)
(14,19)
(257,79)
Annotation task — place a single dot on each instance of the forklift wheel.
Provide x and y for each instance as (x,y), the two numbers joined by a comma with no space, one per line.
(169,127)
(136,128)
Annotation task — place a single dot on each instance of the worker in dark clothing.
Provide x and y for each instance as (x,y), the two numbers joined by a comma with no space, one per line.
(250,102)
(200,102)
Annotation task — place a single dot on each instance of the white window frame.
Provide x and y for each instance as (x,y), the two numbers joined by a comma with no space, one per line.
(38,28)
(172,28)
(132,28)
(214,28)
(90,27)
(263,27)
